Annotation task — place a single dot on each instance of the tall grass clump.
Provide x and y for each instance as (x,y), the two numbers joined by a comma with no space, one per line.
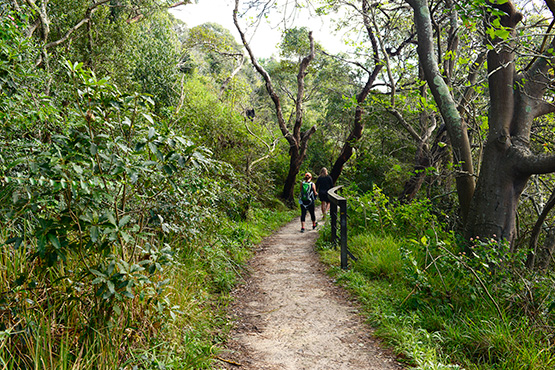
(440,303)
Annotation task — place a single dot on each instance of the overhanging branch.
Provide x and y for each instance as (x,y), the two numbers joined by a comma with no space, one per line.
(530,164)
(406,125)
(300,88)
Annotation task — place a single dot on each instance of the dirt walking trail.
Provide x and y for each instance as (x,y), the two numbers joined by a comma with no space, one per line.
(290,316)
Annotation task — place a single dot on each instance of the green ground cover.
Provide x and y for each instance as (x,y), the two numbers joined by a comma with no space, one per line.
(436,306)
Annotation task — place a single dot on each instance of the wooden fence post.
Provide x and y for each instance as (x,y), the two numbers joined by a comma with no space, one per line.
(335,202)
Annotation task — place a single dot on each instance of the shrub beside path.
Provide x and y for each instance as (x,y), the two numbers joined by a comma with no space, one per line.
(290,316)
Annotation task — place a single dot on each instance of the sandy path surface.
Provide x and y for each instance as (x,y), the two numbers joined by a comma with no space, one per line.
(290,316)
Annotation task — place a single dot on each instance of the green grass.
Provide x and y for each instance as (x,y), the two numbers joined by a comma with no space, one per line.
(379,257)
(440,317)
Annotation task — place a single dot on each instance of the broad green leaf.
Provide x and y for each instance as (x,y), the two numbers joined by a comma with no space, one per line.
(78,169)
(126,237)
(98,280)
(502,33)
(124,220)
(54,240)
(94,233)
(153,148)
(97,273)
(111,218)
(148,118)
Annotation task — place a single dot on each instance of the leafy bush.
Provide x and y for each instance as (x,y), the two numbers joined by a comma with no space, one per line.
(121,235)
(376,212)
(89,216)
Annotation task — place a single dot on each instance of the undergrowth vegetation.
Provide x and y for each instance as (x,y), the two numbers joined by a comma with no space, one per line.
(120,236)
(439,303)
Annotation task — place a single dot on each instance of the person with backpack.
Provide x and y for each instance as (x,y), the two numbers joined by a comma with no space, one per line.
(323,184)
(306,200)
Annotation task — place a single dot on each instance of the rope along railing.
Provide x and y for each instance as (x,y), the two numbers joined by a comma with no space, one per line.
(335,202)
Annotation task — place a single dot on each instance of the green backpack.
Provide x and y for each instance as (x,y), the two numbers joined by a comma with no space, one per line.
(307,195)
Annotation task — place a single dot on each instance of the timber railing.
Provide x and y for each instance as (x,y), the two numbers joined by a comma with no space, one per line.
(337,201)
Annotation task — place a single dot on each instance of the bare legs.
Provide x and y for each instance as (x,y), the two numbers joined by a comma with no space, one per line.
(325,209)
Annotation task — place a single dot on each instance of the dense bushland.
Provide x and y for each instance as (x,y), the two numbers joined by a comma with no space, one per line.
(123,228)
(133,183)
(437,301)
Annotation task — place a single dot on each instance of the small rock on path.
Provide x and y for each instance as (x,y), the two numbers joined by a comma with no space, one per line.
(290,316)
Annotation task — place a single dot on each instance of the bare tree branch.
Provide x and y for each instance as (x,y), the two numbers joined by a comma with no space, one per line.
(233,73)
(68,34)
(43,17)
(358,125)
(472,77)
(531,164)
(406,125)
(86,19)
(531,260)
(271,148)
(353,62)
(300,87)
(179,3)
(269,85)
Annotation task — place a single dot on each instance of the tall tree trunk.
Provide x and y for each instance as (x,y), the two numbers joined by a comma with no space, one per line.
(347,150)
(507,162)
(456,126)
(295,162)
(358,124)
(493,208)
(501,181)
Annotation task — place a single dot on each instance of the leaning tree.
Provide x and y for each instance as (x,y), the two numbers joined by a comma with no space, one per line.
(517,98)
(379,24)
(291,131)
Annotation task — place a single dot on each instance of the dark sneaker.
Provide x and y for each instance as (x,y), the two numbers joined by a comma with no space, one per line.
(302,230)
(315,226)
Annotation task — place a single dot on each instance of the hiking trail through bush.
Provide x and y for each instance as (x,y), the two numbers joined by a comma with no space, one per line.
(290,316)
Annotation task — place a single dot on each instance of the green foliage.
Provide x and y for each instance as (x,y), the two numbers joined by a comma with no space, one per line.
(14,49)
(156,54)
(378,160)
(18,83)
(122,222)
(379,257)
(213,51)
(295,43)
(117,233)
(375,212)
(86,212)
(122,233)
(440,304)
(212,37)
(216,125)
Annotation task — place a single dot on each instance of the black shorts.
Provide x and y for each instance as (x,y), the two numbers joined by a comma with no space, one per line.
(324,197)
